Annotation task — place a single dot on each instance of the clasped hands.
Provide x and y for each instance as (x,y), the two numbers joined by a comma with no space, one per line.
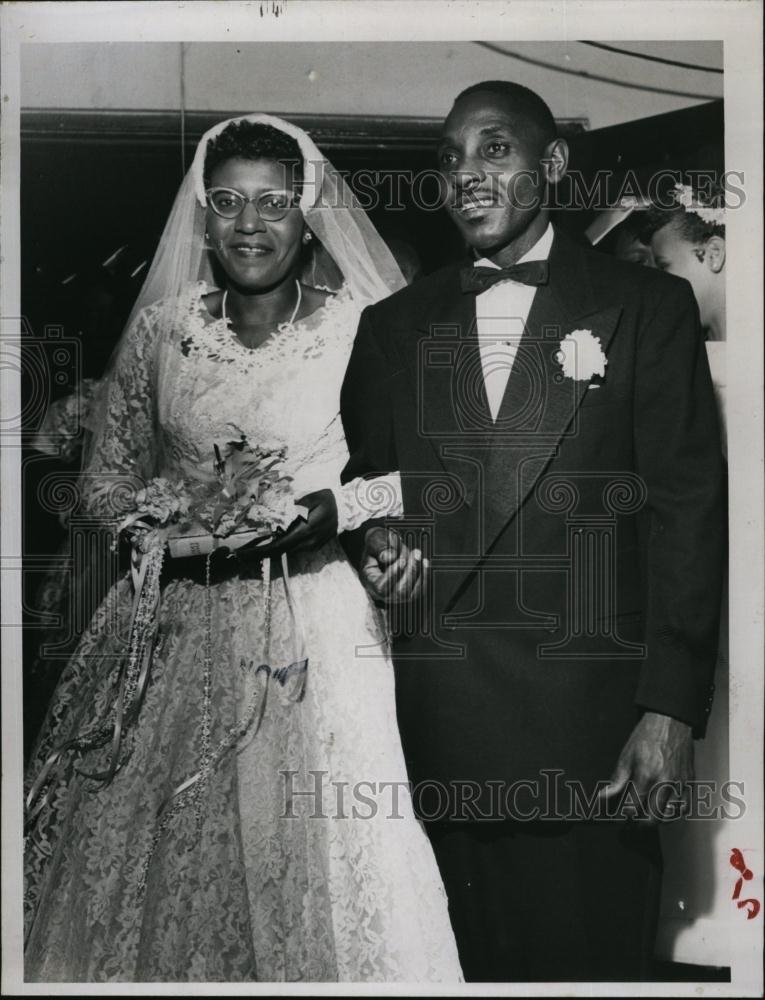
(390,571)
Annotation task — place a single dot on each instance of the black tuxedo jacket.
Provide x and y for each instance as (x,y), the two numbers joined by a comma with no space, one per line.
(577,543)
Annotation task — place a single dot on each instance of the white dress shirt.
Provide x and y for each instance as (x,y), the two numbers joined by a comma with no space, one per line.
(501,313)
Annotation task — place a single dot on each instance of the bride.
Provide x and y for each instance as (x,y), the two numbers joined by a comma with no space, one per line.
(218,793)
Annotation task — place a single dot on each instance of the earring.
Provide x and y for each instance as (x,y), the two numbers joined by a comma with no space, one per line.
(307,237)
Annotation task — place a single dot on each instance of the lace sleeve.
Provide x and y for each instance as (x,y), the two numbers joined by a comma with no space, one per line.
(362,499)
(123,420)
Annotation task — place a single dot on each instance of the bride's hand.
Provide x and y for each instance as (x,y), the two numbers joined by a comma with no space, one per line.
(304,534)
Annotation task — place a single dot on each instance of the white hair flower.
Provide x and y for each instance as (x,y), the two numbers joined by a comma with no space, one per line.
(684,196)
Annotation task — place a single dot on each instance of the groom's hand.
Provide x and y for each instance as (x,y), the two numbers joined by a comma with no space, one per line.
(390,571)
(657,760)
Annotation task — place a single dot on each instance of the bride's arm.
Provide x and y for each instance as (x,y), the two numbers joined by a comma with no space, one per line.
(327,507)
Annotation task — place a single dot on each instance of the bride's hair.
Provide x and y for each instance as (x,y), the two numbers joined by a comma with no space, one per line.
(244,140)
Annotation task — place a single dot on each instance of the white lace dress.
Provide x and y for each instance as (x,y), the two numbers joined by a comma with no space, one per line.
(303,861)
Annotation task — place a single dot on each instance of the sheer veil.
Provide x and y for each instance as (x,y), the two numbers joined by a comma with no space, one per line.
(330,210)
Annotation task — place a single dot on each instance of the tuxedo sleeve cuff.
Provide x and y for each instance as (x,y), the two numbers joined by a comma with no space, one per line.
(690,702)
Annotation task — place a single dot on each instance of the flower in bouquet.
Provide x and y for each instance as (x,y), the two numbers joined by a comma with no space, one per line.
(252,487)
(162,501)
(158,505)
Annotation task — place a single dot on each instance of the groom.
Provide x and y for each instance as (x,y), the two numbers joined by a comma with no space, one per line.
(554,585)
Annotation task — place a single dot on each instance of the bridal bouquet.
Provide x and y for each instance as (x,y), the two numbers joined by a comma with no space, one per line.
(248,500)
(249,497)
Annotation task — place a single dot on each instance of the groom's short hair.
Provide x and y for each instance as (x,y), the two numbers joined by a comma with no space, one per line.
(524,102)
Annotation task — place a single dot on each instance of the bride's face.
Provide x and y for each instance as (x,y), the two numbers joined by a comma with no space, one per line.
(254,252)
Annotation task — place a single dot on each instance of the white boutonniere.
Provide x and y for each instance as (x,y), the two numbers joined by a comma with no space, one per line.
(581,356)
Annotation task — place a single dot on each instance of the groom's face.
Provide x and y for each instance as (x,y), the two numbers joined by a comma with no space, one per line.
(489,159)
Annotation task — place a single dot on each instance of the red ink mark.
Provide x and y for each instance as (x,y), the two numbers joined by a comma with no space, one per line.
(737,862)
(752,906)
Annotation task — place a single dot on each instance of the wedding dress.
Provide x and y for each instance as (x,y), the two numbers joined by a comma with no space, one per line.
(300,859)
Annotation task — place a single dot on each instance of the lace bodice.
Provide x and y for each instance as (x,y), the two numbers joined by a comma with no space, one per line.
(187,378)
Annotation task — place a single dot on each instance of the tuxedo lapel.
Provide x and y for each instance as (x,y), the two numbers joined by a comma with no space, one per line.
(498,463)
(540,403)
(453,409)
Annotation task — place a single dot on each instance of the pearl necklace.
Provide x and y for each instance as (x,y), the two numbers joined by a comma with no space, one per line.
(290,321)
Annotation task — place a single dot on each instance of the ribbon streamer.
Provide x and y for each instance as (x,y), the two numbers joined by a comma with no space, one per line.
(190,790)
(133,680)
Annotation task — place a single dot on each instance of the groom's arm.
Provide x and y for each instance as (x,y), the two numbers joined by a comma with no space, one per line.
(679,456)
(365,408)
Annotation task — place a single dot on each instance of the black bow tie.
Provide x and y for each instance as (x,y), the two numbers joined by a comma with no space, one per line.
(478,279)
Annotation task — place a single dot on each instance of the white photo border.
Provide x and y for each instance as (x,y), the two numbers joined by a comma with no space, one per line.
(738,24)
